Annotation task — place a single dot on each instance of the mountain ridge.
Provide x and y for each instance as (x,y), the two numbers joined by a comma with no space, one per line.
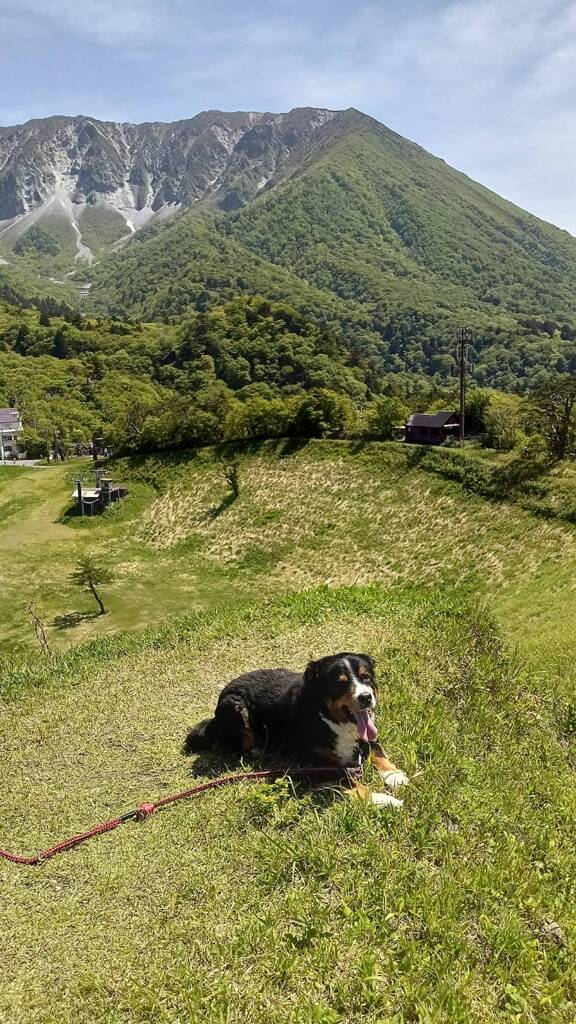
(369,216)
(339,216)
(161,163)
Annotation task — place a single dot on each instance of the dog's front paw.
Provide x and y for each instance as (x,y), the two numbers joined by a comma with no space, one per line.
(385,800)
(394,779)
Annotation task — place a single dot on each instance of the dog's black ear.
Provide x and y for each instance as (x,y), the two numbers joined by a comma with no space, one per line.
(368,661)
(311,673)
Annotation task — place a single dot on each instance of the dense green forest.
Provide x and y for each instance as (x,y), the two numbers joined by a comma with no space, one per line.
(153,384)
(250,368)
(510,351)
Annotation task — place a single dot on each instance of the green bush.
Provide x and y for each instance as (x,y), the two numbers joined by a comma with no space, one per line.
(384,415)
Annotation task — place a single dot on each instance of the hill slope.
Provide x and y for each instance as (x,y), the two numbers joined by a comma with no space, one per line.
(371,232)
(315,513)
(372,217)
(457,909)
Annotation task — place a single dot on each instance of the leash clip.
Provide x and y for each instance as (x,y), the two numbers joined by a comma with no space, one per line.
(144,811)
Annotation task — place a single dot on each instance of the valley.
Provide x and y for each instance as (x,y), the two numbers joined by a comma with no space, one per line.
(309,514)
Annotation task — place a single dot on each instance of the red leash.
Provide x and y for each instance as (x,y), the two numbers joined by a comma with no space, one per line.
(146,809)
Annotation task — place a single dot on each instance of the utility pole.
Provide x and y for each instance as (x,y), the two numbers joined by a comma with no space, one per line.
(464,338)
(80,499)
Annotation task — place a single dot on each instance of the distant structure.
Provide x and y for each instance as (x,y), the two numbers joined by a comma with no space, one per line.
(10,430)
(92,500)
(464,338)
(431,428)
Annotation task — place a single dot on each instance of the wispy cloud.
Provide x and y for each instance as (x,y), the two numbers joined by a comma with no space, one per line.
(114,22)
(488,85)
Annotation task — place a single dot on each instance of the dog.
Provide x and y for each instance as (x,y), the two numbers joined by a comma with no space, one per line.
(323,717)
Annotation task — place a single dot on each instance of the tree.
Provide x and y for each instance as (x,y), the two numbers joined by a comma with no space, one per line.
(383,415)
(35,446)
(89,575)
(257,417)
(324,413)
(477,401)
(231,472)
(503,418)
(553,414)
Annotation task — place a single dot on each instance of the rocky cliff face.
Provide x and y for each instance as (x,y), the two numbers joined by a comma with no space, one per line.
(141,170)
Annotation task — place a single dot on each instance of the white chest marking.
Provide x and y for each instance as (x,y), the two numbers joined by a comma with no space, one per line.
(347,746)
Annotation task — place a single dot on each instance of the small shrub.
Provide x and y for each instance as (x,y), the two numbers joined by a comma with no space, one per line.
(274,804)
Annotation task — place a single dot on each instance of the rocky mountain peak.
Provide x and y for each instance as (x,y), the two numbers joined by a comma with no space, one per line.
(141,171)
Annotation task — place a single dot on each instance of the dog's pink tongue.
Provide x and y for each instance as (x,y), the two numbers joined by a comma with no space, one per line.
(367,731)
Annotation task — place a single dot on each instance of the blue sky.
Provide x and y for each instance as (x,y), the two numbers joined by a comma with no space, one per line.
(489,86)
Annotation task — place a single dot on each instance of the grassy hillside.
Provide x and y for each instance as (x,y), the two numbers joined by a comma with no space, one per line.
(458,910)
(379,219)
(321,512)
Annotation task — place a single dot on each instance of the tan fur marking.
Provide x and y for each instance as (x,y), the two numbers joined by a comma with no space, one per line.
(382,763)
(337,705)
(379,758)
(359,791)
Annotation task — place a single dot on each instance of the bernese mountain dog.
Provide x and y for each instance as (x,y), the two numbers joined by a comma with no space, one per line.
(324,716)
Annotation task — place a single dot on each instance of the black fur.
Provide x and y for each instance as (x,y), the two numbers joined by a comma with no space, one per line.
(278,711)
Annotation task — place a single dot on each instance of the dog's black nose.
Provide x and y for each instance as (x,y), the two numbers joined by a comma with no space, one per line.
(365,700)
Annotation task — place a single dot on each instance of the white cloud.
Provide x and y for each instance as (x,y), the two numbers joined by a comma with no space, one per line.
(108,21)
(487,84)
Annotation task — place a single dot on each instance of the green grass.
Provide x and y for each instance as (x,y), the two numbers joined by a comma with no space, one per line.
(537,612)
(265,904)
(324,513)
(251,905)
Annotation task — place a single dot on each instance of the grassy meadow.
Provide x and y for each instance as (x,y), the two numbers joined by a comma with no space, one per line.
(320,513)
(264,904)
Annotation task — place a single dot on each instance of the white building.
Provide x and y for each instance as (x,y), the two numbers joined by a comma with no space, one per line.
(10,430)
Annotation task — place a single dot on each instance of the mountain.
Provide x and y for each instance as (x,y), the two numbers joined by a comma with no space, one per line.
(105,180)
(355,226)
(371,217)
